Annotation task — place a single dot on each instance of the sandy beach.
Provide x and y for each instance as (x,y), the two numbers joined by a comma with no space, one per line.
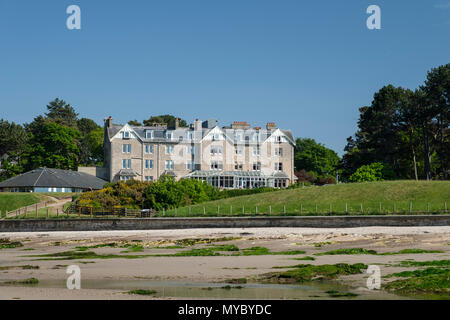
(97,275)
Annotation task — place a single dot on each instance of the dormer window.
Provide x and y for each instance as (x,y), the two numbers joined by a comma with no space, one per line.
(169,135)
(148,134)
(126,134)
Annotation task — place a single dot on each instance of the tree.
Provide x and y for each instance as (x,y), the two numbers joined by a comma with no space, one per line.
(134,123)
(62,113)
(315,158)
(91,148)
(86,125)
(13,138)
(164,119)
(437,91)
(55,146)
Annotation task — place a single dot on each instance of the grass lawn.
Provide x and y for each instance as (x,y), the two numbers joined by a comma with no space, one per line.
(14,200)
(426,196)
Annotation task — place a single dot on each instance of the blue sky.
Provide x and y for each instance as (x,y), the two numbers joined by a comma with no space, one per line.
(306,65)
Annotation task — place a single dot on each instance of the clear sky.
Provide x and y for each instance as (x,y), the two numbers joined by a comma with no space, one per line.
(305,65)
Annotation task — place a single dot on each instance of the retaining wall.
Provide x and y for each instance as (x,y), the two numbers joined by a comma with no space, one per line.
(38,225)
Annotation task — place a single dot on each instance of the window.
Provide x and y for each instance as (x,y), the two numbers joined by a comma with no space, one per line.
(216,165)
(190,165)
(190,135)
(126,164)
(126,148)
(238,137)
(279,139)
(148,164)
(216,150)
(169,164)
(216,136)
(149,134)
(169,149)
(279,152)
(125,178)
(148,178)
(256,151)
(256,138)
(238,166)
(190,150)
(126,134)
(148,148)
(169,135)
(278,166)
(239,150)
(256,166)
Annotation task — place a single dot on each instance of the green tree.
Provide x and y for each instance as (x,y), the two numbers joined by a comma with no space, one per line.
(13,138)
(134,123)
(164,119)
(86,125)
(62,113)
(91,148)
(315,158)
(54,146)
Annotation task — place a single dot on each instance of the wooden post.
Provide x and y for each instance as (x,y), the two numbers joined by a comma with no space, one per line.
(36,210)
(26,208)
(47,212)
(79,212)
(331,208)
(256,209)
(346,207)
(243,210)
(445,206)
(410,207)
(380,207)
(189,213)
(91,212)
(284,209)
(57,212)
(231,209)
(428,207)
(164,212)
(360,208)
(270,209)
(218,210)
(204,210)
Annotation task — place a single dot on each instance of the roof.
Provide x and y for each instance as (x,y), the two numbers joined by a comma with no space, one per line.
(56,178)
(179,134)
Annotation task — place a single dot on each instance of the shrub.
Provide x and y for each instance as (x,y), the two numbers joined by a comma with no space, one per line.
(373,172)
(326,180)
(304,176)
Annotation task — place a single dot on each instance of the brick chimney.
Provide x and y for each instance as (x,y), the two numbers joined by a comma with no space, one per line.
(177,123)
(271,126)
(240,125)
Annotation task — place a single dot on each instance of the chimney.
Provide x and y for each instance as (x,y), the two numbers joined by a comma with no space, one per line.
(271,126)
(240,125)
(108,122)
(197,125)
(177,123)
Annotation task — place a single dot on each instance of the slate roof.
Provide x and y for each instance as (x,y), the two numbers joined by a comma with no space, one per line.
(56,178)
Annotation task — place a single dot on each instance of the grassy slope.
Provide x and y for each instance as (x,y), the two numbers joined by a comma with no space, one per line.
(369,194)
(13,200)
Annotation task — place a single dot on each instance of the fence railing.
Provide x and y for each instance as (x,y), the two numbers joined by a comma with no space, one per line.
(208,210)
(27,210)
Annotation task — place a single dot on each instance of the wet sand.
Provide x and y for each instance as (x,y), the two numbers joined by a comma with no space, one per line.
(208,269)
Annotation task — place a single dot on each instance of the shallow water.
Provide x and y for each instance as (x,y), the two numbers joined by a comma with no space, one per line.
(306,291)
